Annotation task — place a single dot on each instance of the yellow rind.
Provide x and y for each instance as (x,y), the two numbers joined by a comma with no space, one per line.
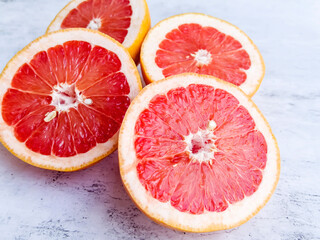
(172,224)
(134,49)
(144,69)
(95,160)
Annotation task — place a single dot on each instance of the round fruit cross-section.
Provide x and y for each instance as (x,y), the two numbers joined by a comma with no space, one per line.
(201,44)
(127,21)
(63,98)
(196,154)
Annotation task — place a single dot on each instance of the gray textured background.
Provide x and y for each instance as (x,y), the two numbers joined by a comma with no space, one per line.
(92,204)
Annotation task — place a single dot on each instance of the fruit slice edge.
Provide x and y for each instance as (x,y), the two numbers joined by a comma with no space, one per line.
(151,72)
(26,54)
(133,40)
(163,213)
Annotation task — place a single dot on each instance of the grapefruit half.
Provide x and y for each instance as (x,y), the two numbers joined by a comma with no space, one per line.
(202,44)
(63,98)
(196,154)
(127,21)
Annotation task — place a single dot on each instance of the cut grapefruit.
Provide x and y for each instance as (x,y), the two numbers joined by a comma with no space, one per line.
(63,98)
(201,44)
(127,21)
(196,154)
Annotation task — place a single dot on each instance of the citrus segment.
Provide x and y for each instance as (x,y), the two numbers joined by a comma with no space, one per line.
(76,54)
(113,85)
(28,124)
(224,104)
(239,122)
(41,139)
(213,198)
(213,174)
(17,104)
(150,125)
(113,106)
(58,63)
(74,109)
(187,194)
(40,64)
(80,131)
(183,105)
(27,80)
(127,21)
(201,44)
(157,148)
(102,126)
(239,147)
(202,94)
(160,177)
(63,145)
(159,106)
(100,64)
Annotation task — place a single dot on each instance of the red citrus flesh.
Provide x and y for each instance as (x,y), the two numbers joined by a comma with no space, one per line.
(91,72)
(204,50)
(110,17)
(166,165)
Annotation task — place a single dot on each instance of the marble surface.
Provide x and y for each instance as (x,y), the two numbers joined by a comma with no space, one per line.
(92,204)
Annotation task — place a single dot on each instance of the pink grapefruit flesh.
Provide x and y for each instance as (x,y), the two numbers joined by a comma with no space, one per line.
(74,70)
(212,53)
(110,17)
(166,167)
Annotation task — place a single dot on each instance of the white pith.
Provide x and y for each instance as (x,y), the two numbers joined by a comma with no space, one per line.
(202,56)
(206,153)
(138,13)
(158,33)
(63,102)
(236,213)
(42,44)
(94,24)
